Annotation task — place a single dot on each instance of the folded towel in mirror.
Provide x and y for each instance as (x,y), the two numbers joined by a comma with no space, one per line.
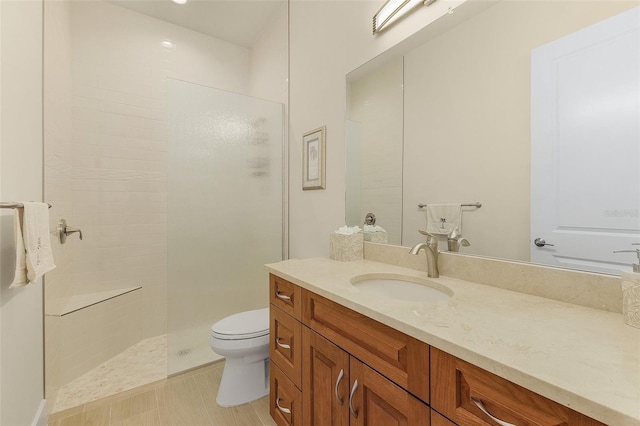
(444,218)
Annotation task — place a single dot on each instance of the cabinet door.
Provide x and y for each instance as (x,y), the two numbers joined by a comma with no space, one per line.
(376,401)
(325,377)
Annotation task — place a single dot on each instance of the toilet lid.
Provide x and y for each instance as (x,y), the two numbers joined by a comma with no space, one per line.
(244,325)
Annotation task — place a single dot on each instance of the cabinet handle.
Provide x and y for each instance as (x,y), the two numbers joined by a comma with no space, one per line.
(282,296)
(340,376)
(282,345)
(281,408)
(354,413)
(484,410)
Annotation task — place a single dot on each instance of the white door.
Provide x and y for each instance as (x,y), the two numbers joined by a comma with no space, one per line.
(585,147)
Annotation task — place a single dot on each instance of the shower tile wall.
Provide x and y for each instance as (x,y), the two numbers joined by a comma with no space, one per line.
(106,169)
(120,143)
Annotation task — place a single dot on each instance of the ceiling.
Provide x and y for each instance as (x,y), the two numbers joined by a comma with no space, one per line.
(236,21)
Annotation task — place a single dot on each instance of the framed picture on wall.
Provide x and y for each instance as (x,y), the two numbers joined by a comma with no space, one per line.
(313,159)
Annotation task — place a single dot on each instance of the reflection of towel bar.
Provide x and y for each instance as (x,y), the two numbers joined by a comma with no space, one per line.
(476,205)
(14,205)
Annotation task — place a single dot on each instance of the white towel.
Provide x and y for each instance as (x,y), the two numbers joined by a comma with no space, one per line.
(20,277)
(452,215)
(38,256)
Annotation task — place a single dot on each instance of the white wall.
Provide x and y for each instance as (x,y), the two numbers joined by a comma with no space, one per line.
(268,60)
(21,346)
(328,40)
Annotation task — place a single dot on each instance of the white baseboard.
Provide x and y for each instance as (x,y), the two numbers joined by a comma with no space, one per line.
(40,418)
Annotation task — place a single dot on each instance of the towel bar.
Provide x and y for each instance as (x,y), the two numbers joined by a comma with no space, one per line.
(476,205)
(14,205)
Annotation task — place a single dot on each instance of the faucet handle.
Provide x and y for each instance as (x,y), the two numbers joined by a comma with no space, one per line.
(430,236)
(454,234)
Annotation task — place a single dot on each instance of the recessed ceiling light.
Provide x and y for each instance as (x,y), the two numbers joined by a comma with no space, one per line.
(179,1)
(167,44)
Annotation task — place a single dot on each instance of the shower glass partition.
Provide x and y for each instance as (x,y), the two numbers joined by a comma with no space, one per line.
(225,211)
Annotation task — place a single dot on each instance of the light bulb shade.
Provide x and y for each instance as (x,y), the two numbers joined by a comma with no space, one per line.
(391,11)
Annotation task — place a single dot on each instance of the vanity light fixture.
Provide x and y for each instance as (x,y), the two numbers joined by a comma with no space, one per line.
(392,10)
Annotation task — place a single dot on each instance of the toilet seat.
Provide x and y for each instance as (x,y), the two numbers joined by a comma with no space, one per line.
(241,326)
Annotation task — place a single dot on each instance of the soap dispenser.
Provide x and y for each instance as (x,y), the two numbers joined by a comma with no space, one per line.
(630,282)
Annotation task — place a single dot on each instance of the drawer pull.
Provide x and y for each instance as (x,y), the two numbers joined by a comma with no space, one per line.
(282,345)
(484,410)
(281,408)
(354,413)
(282,296)
(340,376)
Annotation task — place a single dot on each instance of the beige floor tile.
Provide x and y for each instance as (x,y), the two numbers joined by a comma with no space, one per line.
(262,410)
(133,405)
(99,416)
(180,404)
(66,413)
(75,420)
(150,418)
(208,385)
(245,415)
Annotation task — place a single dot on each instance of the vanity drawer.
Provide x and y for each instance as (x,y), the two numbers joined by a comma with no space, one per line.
(285,346)
(456,384)
(401,358)
(285,399)
(285,295)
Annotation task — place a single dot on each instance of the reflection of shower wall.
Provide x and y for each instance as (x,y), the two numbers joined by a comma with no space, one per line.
(381,145)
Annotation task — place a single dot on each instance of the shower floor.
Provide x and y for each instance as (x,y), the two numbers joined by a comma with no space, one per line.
(142,363)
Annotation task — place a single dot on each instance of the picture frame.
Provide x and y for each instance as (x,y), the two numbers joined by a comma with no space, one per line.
(313,159)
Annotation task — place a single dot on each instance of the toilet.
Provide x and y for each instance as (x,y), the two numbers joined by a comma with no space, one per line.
(243,339)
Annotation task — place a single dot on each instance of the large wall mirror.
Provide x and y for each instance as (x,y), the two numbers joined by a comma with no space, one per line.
(459,117)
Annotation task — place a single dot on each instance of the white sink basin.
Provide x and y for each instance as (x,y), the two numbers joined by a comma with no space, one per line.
(402,288)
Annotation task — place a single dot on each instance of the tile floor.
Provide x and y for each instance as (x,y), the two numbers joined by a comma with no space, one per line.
(187,399)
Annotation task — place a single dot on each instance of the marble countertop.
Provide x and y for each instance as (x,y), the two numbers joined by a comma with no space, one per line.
(586,359)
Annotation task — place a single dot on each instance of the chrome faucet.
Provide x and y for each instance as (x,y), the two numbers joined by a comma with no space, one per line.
(431,251)
(455,240)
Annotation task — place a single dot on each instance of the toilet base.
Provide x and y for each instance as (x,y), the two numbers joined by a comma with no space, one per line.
(243,382)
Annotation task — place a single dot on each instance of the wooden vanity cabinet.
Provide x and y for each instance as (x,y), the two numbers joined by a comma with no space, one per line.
(352,369)
(460,389)
(320,349)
